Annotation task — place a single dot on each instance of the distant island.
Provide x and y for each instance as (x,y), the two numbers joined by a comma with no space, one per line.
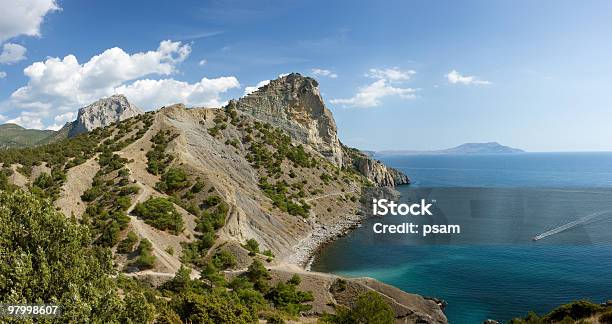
(467,148)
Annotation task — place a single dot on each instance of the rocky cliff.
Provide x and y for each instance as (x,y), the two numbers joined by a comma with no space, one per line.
(101,113)
(294,104)
(374,170)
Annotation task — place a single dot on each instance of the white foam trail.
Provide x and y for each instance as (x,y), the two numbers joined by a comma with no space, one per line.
(569,225)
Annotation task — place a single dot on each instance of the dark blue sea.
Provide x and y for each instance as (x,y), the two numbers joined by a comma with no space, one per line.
(493,268)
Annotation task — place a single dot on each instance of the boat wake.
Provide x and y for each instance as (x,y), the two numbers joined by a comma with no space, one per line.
(569,225)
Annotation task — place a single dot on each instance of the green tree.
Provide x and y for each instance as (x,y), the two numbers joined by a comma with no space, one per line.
(127,244)
(215,307)
(370,308)
(161,214)
(253,246)
(46,258)
(224,259)
(174,179)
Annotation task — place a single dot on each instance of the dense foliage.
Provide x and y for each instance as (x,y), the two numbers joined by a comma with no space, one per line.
(46,258)
(370,308)
(161,214)
(568,313)
(157,159)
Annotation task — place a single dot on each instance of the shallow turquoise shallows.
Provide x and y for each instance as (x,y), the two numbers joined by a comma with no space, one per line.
(493,268)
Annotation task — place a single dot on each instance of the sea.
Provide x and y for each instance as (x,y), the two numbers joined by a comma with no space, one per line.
(493,268)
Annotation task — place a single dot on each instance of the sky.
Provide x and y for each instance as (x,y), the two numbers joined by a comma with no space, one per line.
(417,75)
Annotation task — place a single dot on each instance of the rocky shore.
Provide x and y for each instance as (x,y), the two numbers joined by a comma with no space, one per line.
(306,250)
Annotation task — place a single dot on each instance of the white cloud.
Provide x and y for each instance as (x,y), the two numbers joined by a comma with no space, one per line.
(65,117)
(2,118)
(66,84)
(12,53)
(455,77)
(62,119)
(23,17)
(249,90)
(156,93)
(202,62)
(370,95)
(393,74)
(28,119)
(324,72)
(2,74)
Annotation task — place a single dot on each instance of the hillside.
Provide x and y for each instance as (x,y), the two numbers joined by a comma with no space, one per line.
(15,136)
(222,190)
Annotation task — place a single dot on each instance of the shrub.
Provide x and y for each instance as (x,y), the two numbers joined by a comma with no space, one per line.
(145,260)
(127,244)
(197,187)
(253,246)
(161,214)
(285,296)
(173,180)
(576,310)
(606,318)
(214,307)
(224,259)
(369,308)
(47,257)
(256,271)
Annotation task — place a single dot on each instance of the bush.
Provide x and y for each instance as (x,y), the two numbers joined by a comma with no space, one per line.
(161,214)
(214,307)
(47,257)
(256,271)
(173,180)
(252,246)
(268,253)
(224,259)
(370,308)
(145,260)
(127,244)
(606,318)
(285,296)
(576,310)
(198,186)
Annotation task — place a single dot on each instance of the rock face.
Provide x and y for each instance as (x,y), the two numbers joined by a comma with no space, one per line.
(374,170)
(102,113)
(293,103)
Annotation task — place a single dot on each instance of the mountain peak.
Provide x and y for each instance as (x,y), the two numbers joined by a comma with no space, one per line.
(293,102)
(103,112)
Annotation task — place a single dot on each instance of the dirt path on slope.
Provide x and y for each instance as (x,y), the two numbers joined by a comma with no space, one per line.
(339,193)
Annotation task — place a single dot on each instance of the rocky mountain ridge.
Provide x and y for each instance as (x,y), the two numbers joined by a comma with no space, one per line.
(294,104)
(101,113)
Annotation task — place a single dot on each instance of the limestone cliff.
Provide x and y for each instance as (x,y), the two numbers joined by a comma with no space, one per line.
(101,113)
(374,170)
(294,104)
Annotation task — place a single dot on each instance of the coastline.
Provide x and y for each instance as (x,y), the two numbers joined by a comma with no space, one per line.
(308,248)
(306,251)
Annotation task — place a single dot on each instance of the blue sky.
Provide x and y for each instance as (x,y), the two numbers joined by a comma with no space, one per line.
(397,75)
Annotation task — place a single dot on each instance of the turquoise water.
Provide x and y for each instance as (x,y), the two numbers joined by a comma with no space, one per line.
(493,269)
